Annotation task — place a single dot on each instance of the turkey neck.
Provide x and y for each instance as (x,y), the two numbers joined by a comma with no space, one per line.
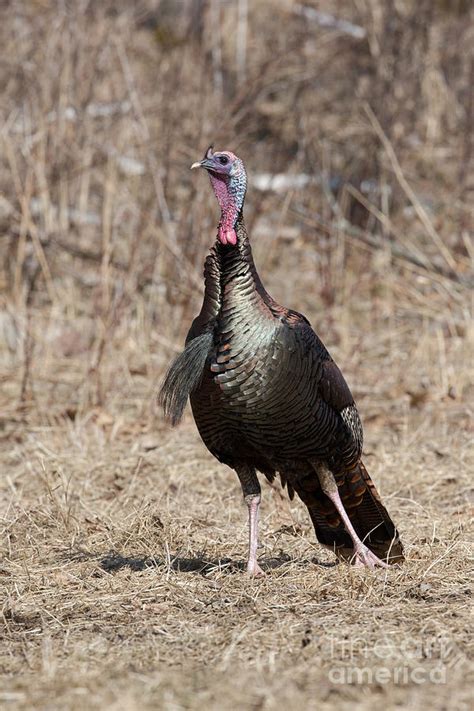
(240,284)
(233,289)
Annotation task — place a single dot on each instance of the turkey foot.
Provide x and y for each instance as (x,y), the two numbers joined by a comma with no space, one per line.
(254,570)
(363,557)
(253,503)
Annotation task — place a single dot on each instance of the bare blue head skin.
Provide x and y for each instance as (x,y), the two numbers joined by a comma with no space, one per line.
(229,182)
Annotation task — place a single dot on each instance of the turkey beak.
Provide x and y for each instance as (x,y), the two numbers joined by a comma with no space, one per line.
(206,162)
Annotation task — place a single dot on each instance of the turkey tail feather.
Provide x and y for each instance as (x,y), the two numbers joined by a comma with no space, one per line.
(368,516)
(373,524)
(184,376)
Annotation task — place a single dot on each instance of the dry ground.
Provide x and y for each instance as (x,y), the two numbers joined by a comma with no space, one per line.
(123,542)
(123,570)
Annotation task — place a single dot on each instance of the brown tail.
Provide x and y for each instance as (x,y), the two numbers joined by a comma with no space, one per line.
(364,507)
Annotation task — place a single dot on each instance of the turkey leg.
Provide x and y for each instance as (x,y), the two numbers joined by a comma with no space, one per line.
(363,556)
(253,503)
(251,492)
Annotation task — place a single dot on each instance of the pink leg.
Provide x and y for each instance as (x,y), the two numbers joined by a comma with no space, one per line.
(363,556)
(253,503)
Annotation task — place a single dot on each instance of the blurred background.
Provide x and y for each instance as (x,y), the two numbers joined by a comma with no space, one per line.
(355,121)
(122,540)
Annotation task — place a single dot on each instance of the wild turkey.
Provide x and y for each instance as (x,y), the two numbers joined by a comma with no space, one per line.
(267,396)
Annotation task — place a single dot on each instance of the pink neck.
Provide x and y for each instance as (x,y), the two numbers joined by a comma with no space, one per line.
(229,211)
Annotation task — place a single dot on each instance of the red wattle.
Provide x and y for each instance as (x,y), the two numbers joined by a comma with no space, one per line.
(228,236)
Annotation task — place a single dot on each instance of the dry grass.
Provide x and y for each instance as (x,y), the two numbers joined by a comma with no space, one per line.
(123,545)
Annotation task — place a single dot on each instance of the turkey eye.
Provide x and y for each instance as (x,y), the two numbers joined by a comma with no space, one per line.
(223,160)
